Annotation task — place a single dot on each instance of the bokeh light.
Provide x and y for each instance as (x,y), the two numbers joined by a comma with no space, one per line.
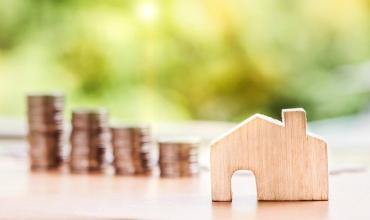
(147,11)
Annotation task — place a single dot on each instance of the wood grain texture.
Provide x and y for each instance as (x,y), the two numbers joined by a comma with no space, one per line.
(288,162)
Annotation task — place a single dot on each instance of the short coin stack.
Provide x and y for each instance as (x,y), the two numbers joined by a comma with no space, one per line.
(132,150)
(45,130)
(90,140)
(178,157)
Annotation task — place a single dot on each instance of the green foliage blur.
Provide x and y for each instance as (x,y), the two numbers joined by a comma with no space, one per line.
(185,59)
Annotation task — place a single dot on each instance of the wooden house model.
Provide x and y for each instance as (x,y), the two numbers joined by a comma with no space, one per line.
(288,162)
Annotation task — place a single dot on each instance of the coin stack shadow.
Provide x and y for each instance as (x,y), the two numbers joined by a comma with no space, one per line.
(132,150)
(178,158)
(45,130)
(90,141)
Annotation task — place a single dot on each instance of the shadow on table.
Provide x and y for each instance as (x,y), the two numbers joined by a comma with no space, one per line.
(292,210)
(241,207)
(249,208)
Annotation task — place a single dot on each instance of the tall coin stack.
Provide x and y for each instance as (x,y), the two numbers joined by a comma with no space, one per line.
(90,140)
(132,150)
(45,130)
(178,157)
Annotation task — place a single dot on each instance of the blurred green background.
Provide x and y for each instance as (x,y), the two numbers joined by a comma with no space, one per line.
(187,59)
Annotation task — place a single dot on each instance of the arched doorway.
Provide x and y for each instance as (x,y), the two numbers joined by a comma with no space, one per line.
(243,185)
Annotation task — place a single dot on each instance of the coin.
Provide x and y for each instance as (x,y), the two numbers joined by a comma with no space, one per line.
(90,140)
(178,157)
(45,130)
(132,150)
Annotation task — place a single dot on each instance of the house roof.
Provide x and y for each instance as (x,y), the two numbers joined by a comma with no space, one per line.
(264,118)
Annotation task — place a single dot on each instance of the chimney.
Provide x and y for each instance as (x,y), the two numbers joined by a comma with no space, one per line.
(295,121)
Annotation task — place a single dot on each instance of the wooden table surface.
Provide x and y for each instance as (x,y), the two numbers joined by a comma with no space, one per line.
(59,195)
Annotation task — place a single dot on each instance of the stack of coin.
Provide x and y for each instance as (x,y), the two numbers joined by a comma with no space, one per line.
(90,140)
(45,130)
(132,150)
(178,157)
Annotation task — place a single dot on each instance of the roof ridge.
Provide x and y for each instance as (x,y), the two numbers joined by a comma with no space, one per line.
(264,118)
(246,121)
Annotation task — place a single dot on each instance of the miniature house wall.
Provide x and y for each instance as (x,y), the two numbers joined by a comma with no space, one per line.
(288,162)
